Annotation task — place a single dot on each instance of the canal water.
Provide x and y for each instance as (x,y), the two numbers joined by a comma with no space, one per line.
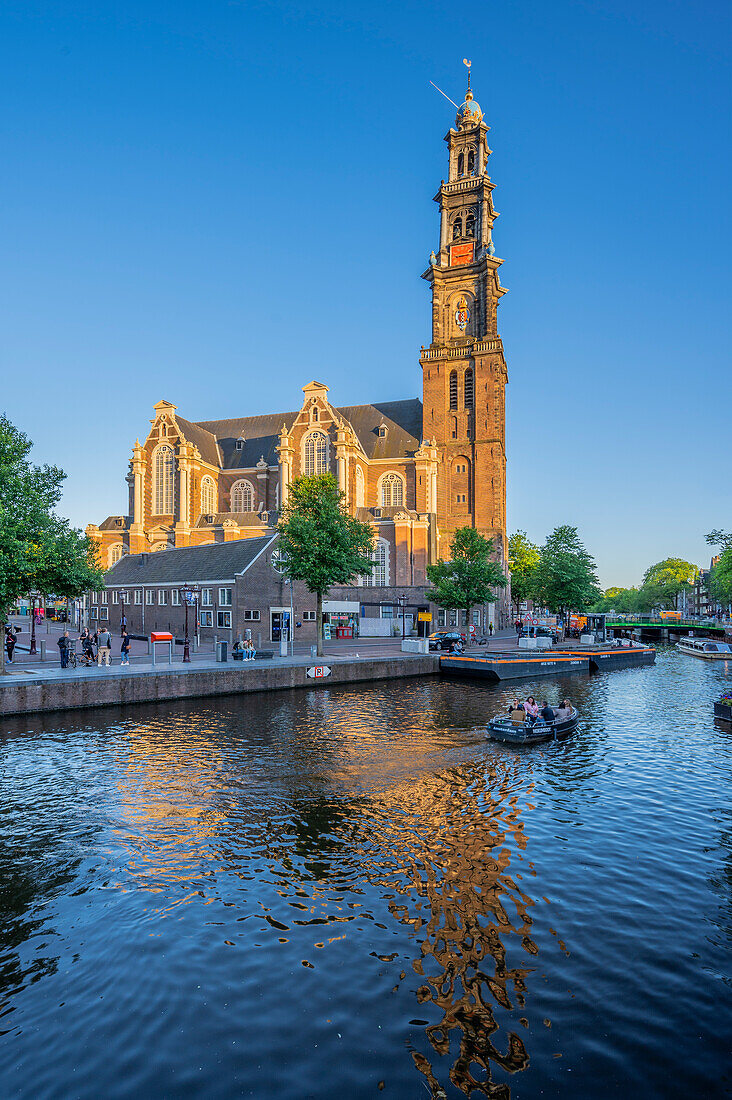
(351,893)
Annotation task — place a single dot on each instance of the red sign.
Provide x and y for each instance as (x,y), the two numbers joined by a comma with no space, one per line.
(161,636)
(461,254)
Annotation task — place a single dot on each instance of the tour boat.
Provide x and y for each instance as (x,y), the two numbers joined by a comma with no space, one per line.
(703,647)
(514,729)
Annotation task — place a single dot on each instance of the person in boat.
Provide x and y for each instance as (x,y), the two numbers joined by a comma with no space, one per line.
(563,711)
(531,708)
(515,705)
(547,712)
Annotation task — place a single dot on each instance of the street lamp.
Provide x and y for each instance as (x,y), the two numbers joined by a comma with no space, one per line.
(33,597)
(122,618)
(188,595)
(402,601)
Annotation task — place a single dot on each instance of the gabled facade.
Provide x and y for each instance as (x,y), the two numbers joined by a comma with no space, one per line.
(416,470)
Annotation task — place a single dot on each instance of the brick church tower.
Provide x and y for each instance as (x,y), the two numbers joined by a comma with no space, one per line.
(464,369)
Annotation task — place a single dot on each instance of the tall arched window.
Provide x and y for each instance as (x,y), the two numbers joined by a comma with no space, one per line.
(453,389)
(164,480)
(457,229)
(392,491)
(471,162)
(208,495)
(115,553)
(242,497)
(360,489)
(461,164)
(316,454)
(470,225)
(379,576)
(469,388)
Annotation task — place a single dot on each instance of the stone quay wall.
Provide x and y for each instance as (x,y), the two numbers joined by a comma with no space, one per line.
(33,696)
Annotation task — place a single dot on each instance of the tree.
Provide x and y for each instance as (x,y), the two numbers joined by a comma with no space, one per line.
(717,537)
(523,559)
(663,581)
(322,543)
(469,578)
(37,548)
(566,578)
(720,580)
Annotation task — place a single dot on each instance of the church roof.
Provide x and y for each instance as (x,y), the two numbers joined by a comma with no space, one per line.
(201,438)
(193,564)
(261,434)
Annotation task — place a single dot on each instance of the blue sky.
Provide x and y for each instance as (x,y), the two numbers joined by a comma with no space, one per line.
(215,202)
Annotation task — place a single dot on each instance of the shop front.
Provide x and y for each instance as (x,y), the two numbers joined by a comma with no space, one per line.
(340,617)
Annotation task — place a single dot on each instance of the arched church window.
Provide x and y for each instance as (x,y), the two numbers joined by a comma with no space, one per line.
(469,388)
(453,389)
(470,225)
(164,470)
(208,495)
(471,162)
(242,497)
(461,164)
(360,488)
(392,491)
(314,414)
(379,576)
(457,229)
(316,454)
(116,552)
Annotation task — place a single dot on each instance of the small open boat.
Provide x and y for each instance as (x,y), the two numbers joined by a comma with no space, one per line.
(706,649)
(514,729)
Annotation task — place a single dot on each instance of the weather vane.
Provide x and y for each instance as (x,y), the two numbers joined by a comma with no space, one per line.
(468,63)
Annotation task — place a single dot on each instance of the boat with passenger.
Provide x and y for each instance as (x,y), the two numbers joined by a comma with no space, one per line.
(518,728)
(705,648)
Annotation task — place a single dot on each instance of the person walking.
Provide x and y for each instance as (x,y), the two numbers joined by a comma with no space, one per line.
(490,629)
(64,644)
(10,645)
(125,649)
(87,648)
(104,646)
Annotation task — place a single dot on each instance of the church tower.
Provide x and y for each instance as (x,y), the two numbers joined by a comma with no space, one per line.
(464,370)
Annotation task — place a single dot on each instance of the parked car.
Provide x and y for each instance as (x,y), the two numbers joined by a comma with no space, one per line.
(445,639)
(548,632)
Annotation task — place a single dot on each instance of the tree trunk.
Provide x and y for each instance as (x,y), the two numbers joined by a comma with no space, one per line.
(319,622)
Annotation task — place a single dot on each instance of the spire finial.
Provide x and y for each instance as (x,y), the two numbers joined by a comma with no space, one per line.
(468,64)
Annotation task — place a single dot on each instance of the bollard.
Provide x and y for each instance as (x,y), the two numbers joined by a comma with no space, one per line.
(148,648)
(259,639)
(43,649)
(313,651)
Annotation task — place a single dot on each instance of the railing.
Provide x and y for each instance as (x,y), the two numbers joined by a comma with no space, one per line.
(466,184)
(464,350)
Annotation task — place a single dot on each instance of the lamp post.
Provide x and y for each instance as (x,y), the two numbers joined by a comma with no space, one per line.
(402,601)
(188,595)
(122,616)
(33,597)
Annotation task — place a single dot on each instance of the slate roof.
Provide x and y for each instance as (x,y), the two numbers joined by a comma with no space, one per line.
(201,438)
(261,434)
(111,524)
(194,564)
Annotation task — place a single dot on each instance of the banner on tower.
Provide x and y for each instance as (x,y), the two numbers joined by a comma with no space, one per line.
(461,254)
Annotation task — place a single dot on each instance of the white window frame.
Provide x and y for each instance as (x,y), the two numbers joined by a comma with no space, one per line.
(360,487)
(379,577)
(162,597)
(309,616)
(225,599)
(242,488)
(163,465)
(104,613)
(253,616)
(114,596)
(223,620)
(315,453)
(206,618)
(207,597)
(93,610)
(103,596)
(174,597)
(391,486)
(149,597)
(209,496)
(138,595)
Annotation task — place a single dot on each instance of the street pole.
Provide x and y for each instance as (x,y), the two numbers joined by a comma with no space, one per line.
(403,602)
(186,592)
(292,624)
(32,651)
(122,620)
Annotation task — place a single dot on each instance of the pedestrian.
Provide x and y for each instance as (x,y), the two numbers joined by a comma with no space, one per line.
(10,645)
(64,646)
(125,649)
(490,629)
(517,624)
(87,648)
(104,646)
(122,625)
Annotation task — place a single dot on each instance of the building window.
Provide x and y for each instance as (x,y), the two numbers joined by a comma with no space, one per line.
(206,597)
(314,414)
(360,489)
(242,497)
(461,163)
(162,597)
(223,619)
(309,616)
(252,616)
(441,618)
(316,454)
(149,597)
(454,427)
(392,491)
(115,553)
(208,495)
(457,229)
(379,577)
(469,388)
(138,595)
(206,618)
(164,467)
(225,597)
(239,445)
(453,389)
(93,612)
(174,597)
(103,612)
(114,597)
(471,162)
(387,611)
(103,596)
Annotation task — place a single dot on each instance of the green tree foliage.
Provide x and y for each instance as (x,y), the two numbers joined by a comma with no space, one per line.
(663,581)
(720,580)
(523,560)
(566,578)
(720,538)
(626,601)
(323,544)
(38,550)
(470,577)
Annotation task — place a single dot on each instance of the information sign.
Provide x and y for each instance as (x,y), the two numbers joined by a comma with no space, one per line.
(317,672)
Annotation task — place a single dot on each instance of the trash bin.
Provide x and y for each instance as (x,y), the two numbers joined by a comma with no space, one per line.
(222,651)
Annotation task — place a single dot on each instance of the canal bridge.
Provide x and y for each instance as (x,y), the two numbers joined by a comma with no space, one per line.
(657,627)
